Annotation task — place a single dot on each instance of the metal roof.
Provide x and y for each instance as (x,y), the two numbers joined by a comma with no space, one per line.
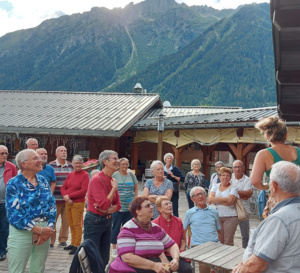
(286,42)
(179,111)
(228,119)
(72,113)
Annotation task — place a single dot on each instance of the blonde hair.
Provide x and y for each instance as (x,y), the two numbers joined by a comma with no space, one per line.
(273,128)
(225,170)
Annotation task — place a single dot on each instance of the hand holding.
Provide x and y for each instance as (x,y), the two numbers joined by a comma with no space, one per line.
(114,183)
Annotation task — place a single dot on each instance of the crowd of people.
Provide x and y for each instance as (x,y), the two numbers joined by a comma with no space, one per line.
(145,231)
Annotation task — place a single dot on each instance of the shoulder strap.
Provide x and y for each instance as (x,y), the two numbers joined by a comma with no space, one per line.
(104,184)
(274,154)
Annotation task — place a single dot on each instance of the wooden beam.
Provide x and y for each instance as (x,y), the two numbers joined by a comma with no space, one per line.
(134,156)
(206,150)
(248,149)
(160,146)
(177,156)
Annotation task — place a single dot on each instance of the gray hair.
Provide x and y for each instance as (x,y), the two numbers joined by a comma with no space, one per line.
(219,162)
(287,176)
(193,161)
(123,159)
(238,161)
(168,154)
(23,156)
(93,172)
(3,146)
(56,151)
(154,163)
(105,155)
(196,188)
(77,158)
(31,139)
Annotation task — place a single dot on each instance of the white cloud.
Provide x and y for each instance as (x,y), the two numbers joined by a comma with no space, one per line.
(30,13)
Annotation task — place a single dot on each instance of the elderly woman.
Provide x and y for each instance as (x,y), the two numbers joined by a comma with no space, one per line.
(127,186)
(214,179)
(225,196)
(103,200)
(192,179)
(158,186)
(73,191)
(173,226)
(31,212)
(134,240)
(175,176)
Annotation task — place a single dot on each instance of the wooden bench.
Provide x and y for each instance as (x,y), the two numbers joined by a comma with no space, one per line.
(217,256)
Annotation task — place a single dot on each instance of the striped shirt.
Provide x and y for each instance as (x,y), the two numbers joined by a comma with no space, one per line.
(147,244)
(125,188)
(61,173)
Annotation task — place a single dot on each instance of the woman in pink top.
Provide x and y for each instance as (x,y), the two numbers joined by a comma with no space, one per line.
(73,191)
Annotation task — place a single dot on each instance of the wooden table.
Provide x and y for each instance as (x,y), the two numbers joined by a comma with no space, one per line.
(217,256)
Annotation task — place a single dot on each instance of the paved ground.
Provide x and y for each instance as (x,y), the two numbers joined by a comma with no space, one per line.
(59,260)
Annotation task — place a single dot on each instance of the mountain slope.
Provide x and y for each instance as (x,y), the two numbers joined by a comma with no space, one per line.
(231,63)
(93,50)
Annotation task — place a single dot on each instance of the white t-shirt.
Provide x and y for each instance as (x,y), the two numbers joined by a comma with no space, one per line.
(225,211)
(243,184)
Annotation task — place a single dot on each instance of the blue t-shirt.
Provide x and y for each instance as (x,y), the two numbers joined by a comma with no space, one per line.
(153,190)
(49,173)
(204,224)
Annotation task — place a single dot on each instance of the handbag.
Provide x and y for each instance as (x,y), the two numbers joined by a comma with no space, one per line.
(240,210)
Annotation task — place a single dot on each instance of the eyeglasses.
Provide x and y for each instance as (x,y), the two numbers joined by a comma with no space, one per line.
(124,164)
(237,167)
(167,204)
(113,158)
(3,153)
(199,194)
(147,206)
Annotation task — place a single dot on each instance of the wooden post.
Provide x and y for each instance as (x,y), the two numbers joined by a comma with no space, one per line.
(206,150)
(17,145)
(160,146)
(241,151)
(134,156)
(177,156)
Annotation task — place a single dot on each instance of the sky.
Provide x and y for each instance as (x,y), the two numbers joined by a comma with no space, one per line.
(23,14)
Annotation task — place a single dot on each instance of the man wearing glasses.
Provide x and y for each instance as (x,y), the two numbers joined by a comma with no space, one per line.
(7,171)
(244,188)
(203,221)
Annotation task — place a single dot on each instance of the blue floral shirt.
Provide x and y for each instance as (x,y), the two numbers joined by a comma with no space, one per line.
(26,204)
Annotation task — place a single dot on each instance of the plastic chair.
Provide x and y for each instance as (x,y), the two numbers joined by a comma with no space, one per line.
(147,175)
(84,261)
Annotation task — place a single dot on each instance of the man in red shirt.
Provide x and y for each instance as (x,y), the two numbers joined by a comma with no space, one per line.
(103,200)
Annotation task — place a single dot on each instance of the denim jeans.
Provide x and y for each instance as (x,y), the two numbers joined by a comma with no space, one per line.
(190,202)
(98,229)
(174,200)
(119,219)
(244,226)
(4,227)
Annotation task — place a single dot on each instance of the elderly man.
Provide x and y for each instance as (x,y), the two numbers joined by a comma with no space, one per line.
(48,171)
(274,245)
(7,171)
(62,168)
(244,188)
(204,222)
(32,143)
